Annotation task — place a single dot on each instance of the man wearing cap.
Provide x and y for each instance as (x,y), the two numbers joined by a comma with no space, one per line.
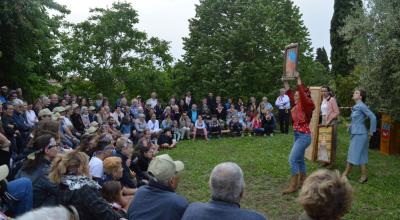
(44,114)
(158,200)
(227,187)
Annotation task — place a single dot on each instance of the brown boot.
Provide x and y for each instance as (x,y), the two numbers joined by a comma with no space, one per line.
(293,185)
(302,177)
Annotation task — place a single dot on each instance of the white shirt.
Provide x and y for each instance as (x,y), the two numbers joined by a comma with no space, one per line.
(200,126)
(67,122)
(115,115)
(283,102)
(96,167)
(31,118)
(152,102)
(324,107)
(153,126)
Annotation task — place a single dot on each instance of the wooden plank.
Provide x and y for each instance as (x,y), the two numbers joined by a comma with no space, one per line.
(312,150)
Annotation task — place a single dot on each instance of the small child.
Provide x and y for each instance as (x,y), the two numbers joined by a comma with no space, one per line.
(235,126)
(247,127)
(176,131)
(112,193)
(215,126)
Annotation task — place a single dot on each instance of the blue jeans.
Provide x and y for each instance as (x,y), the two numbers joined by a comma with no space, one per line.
(21,189)
(296,157)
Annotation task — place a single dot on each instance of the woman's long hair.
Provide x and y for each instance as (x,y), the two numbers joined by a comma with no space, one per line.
(39,145)
(69,164)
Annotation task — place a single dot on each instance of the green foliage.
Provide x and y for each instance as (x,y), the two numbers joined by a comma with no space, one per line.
(322,57)
(235,48)
(108,54)
(376,48)
(341,62)
(29,43)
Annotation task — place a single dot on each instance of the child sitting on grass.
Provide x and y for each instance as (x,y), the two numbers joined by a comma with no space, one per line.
(112,193)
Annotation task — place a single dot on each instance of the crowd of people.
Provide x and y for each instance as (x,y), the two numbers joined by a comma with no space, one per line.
(93,157)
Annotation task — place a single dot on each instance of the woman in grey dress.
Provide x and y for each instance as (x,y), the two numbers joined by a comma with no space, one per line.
(358,150)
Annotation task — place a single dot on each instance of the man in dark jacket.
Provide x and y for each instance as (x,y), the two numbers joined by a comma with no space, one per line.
(158,200)
(227,186)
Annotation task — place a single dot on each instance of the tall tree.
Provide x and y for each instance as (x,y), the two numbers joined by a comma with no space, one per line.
(322,57)
(341,62)
(29,42)
(235,48)
(107,49)
(375,35)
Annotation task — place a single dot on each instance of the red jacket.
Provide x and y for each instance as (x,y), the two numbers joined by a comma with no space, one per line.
(302,111)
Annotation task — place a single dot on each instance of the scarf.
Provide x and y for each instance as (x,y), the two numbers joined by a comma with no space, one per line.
(77,182)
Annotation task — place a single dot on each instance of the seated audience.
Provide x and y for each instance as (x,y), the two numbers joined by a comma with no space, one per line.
(142,164)
(124,150)
(227,188)
(158,200)
(257,125)
(325,195)
(268,123)
(154,126)
(51,213)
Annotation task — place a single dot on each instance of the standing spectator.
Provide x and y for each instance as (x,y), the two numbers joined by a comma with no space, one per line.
(188,100)
(283,104)
(158,200)
(152,101)
(227,189)
(211,102)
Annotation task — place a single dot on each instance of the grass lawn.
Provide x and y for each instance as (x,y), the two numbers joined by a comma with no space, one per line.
(266,170)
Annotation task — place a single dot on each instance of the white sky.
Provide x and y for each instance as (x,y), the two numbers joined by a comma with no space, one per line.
(168,19)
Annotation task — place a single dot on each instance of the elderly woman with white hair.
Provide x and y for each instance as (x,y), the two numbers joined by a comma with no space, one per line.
(227,187)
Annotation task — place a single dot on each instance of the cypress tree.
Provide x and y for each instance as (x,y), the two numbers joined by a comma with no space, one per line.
(322,57)
(341,64)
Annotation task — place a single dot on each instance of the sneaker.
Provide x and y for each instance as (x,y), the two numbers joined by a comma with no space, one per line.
(271,135)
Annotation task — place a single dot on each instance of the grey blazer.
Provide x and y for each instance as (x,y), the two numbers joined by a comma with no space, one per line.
(359,113)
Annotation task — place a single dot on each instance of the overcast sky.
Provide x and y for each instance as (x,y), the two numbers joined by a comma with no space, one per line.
(168,19)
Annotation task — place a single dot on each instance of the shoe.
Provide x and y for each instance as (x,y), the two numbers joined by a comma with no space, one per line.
(271,135)
(292,186)
(363,180)
(302,178)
